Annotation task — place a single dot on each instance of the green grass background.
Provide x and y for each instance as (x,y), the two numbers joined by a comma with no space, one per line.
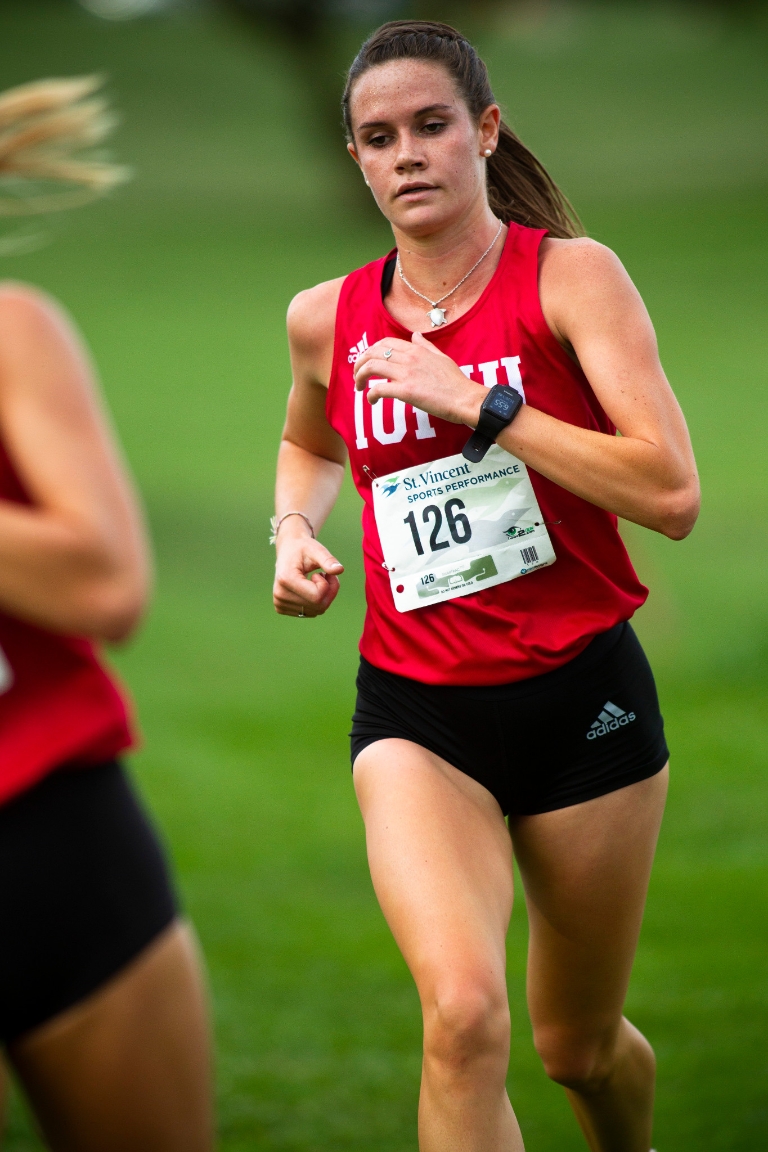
(654,119)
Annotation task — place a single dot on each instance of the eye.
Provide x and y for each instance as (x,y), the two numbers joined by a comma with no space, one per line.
(432,127)
(378,141)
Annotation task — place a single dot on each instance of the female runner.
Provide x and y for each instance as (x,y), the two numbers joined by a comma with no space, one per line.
(102,1009)
(527,696)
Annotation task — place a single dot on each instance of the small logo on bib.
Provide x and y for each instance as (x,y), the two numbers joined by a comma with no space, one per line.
(610,720)
(390,486)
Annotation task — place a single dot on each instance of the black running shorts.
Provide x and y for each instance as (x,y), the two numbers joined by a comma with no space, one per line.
(84,888)
(581,731)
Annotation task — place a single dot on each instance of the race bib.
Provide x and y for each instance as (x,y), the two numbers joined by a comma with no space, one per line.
(452,527)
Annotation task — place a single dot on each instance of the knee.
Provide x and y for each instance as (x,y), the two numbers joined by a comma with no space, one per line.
(580,1060)
(467,1022)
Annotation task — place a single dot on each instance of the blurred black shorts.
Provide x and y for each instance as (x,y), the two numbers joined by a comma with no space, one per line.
(583,730)
(84,887)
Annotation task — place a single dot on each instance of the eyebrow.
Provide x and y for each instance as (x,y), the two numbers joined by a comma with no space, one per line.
(421,112)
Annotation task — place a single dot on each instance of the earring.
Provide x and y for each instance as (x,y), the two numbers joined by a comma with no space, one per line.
(488,152)
(368,183)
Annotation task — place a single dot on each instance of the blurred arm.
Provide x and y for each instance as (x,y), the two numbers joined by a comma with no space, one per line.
(76,560)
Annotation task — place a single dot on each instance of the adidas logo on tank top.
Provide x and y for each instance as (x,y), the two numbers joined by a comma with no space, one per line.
(610,720)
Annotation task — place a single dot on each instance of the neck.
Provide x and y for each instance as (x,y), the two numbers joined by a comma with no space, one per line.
(435,262)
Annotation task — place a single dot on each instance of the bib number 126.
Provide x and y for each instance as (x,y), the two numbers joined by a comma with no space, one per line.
(458,525)
(452,527)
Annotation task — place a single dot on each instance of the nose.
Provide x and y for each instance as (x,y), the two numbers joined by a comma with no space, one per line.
(409,158)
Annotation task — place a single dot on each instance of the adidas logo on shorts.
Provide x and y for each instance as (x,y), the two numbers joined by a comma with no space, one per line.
(610,720)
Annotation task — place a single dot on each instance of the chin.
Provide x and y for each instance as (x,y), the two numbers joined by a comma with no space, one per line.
(421,219)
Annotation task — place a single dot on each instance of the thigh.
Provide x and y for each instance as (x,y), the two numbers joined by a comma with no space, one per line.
(127,1068)
(585,870)
(441,864)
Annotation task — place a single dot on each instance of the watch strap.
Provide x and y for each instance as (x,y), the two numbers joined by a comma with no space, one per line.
(489,426)
(476,447)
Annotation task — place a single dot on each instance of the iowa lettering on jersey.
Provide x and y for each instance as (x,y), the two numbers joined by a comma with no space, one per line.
(488,371)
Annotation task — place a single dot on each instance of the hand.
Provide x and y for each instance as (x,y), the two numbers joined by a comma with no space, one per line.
(422,375)
(306,577)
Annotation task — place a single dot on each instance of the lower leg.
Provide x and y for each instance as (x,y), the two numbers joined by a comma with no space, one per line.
(586,870)
(463,1106)
(615,1111)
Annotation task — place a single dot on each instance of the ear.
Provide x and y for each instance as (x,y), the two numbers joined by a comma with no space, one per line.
(353,153)
(488,128)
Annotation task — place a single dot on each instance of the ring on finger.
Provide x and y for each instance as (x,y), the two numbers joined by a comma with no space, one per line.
(388,353)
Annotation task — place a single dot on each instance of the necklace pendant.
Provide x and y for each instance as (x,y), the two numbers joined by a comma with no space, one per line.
(437,317)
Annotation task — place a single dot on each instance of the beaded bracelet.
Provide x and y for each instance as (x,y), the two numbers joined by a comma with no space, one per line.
(274,524)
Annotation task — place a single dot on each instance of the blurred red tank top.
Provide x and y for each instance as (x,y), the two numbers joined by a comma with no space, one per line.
(57,704)
(527,626)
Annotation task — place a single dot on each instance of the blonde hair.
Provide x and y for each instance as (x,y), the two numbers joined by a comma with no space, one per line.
(46,129)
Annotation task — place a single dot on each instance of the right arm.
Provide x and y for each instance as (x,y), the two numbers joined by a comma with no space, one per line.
(311,460)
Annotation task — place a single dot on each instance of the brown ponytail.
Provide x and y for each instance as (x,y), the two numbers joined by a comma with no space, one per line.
(519,187)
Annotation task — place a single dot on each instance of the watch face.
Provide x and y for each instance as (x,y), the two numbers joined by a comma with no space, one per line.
(502,405)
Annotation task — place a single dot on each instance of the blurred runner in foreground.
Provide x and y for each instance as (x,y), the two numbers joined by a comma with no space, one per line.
(499,674)
(102,1006)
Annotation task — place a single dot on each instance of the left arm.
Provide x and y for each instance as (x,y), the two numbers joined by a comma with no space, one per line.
(648,473)
(75,560)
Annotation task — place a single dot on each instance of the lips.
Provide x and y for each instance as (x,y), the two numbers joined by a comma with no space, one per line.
(410,188)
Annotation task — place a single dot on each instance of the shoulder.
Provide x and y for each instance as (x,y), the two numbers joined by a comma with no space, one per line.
(312,317)
(578,261)
(581,271)
(581,281)
(42,353)
(25,303)
(27,314)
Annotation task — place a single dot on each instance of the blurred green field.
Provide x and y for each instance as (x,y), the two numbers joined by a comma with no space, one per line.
(655,120)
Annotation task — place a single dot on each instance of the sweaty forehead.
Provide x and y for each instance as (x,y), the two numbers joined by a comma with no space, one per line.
(399,89)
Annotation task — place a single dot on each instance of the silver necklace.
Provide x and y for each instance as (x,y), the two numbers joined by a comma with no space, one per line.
(437,315)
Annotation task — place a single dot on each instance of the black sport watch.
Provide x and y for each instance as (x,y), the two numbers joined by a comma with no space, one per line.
(498,410)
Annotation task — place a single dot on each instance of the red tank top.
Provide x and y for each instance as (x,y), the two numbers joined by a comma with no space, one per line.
(57,704)
(527,626)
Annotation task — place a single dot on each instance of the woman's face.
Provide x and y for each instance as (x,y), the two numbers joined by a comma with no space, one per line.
(418,146)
